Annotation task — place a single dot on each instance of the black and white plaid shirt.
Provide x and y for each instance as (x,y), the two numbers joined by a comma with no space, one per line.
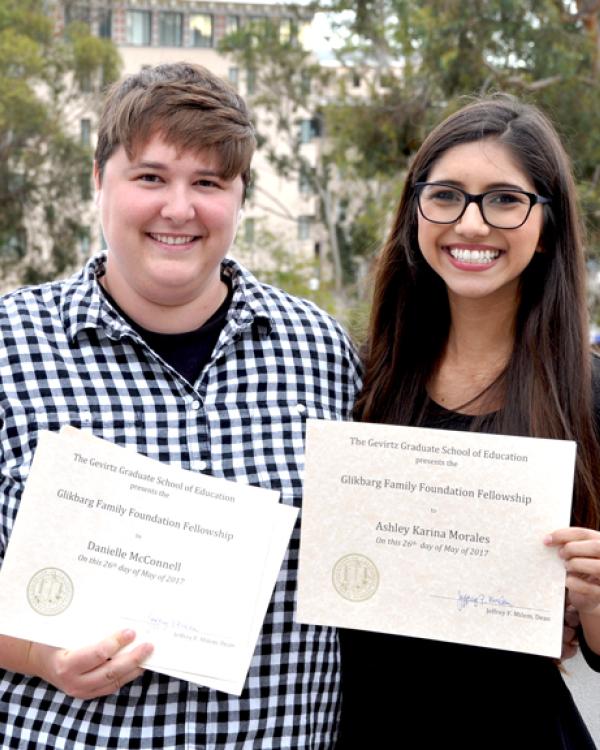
(66,357)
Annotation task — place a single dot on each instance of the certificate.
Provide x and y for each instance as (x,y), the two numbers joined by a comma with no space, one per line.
(435,534)
(106,538)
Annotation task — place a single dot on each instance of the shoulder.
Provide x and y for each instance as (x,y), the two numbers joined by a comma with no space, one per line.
(290,317)
(33,314)
(301,315)
(304,343)
(29,304)
(52,294)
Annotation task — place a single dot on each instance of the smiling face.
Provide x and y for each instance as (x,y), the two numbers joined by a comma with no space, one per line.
(169,219)
(475,260)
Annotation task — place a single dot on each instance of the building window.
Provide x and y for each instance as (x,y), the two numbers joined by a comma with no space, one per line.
(85,129)
(249,229)
(257,25)
(250,81)
(79,13)
(304,224)
(201,27)
(139,27)
(305,131)
(305,185)
(170,29)
(15,245)
(84,245)
(305,81)
(232,24)
(310,129)
(233,75)
(85,82)
(355,79)
(285,31)
(85,186)
(104,23)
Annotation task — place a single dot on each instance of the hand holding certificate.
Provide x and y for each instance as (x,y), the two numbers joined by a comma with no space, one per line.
(435,534)
(108,539)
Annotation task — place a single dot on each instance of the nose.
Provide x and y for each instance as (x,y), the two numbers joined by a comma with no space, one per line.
(471,223)
(178,206)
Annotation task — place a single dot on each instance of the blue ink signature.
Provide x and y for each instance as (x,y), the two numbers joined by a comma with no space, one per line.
(464,600)
(158,623)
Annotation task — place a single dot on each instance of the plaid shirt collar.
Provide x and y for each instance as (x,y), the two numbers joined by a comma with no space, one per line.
(84,306)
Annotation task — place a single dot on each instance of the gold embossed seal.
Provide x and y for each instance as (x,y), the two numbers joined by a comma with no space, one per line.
(355,577)
(50,591)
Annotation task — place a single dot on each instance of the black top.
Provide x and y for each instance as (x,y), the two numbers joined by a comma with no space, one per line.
(411,693)
(188,352)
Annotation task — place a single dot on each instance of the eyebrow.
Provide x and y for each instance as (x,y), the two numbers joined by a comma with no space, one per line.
(160,166)
(490,186)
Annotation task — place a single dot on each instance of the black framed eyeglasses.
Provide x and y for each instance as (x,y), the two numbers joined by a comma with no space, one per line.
(503,208)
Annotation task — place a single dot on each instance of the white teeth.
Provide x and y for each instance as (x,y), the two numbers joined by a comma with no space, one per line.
(474,256)
(170,239)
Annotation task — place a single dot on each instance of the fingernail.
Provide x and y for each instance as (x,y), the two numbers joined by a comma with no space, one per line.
(128,633)
(548,539)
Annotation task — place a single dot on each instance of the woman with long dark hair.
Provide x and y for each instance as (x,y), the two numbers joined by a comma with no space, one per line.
(479,323)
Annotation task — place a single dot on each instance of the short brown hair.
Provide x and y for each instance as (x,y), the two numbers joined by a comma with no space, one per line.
(191,107)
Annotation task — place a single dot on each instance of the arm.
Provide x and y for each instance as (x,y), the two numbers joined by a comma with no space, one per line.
(580,550)
(86,673)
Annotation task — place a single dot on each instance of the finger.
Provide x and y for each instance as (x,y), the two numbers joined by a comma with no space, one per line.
(589,548)
(106,683)
(109,677)
(573,533)
(587,566)
(116,684)
(571,620)
(569,635)
(112,680)
(571,616)
(583,586)
(89,658)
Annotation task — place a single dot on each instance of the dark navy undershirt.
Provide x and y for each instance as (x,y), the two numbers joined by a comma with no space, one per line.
(187,353)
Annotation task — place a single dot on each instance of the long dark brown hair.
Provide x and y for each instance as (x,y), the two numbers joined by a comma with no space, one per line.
(546,387)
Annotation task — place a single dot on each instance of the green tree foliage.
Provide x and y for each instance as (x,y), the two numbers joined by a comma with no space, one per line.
(48,81)
(297,276)
(290,92)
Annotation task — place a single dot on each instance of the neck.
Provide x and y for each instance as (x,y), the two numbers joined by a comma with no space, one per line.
(480,331)
(160,314)
(480,342)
